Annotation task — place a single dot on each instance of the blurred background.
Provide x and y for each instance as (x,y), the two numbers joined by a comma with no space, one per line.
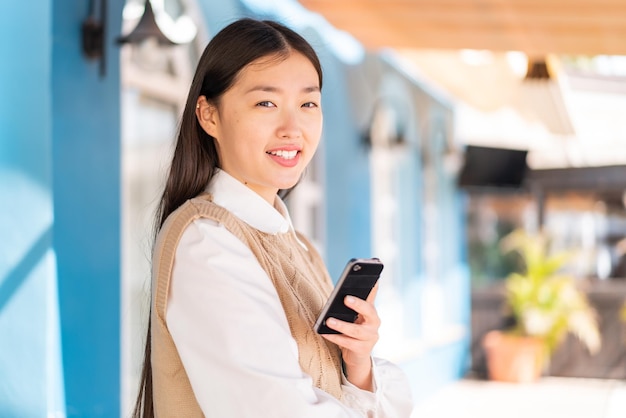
(448,125)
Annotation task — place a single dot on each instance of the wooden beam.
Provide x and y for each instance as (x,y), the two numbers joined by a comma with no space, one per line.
(533,26)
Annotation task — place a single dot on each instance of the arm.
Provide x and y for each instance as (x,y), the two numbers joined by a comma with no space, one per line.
(232,334)
(364,374)
(391,396)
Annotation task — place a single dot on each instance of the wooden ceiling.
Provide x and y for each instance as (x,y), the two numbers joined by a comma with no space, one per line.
(536,27)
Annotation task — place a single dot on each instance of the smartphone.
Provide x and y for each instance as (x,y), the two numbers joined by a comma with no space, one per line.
(357,279)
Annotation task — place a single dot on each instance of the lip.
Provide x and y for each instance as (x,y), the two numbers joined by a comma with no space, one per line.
(283,161)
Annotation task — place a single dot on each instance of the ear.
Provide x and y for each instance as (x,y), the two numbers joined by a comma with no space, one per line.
(208,117)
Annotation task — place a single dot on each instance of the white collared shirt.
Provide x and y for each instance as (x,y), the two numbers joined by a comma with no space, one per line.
(231,331)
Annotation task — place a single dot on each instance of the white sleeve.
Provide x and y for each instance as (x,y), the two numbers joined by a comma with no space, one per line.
(233,338)
(391,396)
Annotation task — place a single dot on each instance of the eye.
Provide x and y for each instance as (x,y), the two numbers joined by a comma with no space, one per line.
(310,104)
(266,103)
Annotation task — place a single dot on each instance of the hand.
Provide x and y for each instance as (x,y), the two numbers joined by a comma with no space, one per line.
(357,339)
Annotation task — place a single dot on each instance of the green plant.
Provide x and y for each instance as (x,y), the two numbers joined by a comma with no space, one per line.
(546,303)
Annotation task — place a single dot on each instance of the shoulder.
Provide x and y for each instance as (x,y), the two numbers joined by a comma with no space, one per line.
(193,210)
(183,225)
(207,237)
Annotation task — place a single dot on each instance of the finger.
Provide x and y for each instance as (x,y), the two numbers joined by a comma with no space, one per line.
(350,344)
(354,331)
(366,310)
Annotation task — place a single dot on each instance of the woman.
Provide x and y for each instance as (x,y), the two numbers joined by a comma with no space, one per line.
(235,289)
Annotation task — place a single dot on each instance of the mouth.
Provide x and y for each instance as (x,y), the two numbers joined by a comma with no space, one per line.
(285,157)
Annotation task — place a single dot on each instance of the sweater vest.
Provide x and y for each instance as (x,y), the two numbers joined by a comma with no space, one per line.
(301,281)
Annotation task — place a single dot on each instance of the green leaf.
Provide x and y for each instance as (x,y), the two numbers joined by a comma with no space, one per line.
(546,303)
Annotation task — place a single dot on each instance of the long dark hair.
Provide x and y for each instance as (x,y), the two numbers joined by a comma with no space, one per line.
(195,157)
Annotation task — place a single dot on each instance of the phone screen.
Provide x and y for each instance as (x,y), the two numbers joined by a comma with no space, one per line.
(357,279)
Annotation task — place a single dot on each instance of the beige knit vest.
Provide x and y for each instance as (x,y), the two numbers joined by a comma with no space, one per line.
(299,276)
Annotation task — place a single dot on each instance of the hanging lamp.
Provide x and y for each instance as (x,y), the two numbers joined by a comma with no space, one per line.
(145,29)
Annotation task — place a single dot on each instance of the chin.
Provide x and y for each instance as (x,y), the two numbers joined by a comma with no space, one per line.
(288,183)
(286,186)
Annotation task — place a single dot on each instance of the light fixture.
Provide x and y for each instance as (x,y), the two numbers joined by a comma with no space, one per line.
(386,127)
(146,28)
(542,98)
(94,33)
(537,70)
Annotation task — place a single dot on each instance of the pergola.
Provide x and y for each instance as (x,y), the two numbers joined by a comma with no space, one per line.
(535,27)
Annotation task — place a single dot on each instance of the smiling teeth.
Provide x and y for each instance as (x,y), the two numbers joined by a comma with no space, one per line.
(287,155)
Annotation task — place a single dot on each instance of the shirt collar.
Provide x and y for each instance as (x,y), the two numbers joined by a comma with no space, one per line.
(247,205)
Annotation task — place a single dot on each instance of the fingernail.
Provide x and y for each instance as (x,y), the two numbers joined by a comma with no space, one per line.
(350,299)
(331,321)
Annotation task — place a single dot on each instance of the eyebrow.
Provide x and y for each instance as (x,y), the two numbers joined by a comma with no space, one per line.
(311,89)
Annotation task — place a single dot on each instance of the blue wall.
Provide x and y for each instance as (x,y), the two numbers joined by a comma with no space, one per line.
(59,207)
(29,349)
(346,158)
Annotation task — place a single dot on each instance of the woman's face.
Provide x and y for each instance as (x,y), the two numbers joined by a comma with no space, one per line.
(268,124)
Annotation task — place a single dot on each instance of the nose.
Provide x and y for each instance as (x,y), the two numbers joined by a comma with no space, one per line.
(289,126)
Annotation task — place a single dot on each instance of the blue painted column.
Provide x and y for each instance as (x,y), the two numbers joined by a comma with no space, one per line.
(86,184)
(348,177)
(31,383)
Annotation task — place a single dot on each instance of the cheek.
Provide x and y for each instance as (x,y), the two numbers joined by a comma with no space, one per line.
(314,130)
(236,131)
